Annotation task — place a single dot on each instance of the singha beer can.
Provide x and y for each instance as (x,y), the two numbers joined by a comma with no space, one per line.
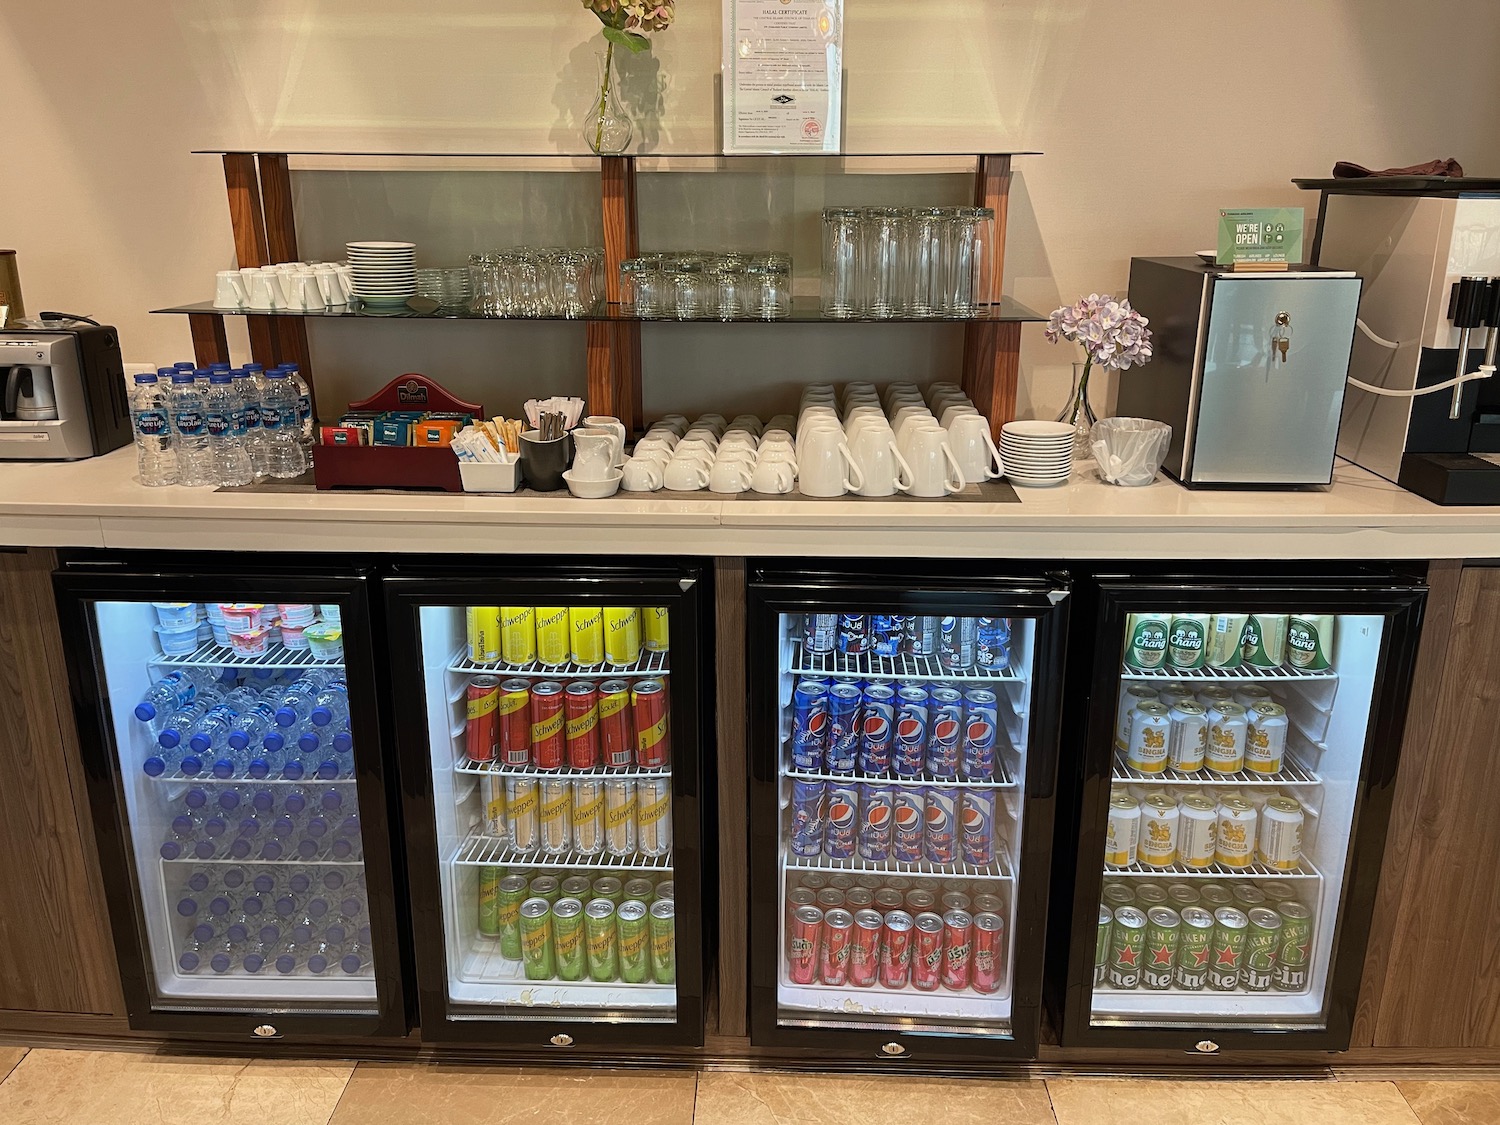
(1131,697)
(1160,825)
(588,818)
(555,815)
(1127,945)
(1188,741)
(619,817)
(586,635)
(1263,644)
(1187,642)
(1228,729)
(981,727)
(656,631)
(653,816)
(581,724)
(1279,841)
(1234,836)
(877,728)
(1262,948)
(864,948)
(877,818)
(1198,831)
(1309,641)
(838,936)
(1265,737)
(518,634)
(1163,930)
(1150,729)
(1194,947)
(653,745)
(1227,956)
(927,952)
(1290,974)
(1146,640)
(1101,944)
(484,634)
(1122,831)
(896,949)
(909,833)
(622,635)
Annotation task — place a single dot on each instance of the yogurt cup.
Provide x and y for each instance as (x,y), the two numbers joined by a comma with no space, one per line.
(179,641)
(326,640)
(251,642)
(176,615)
(215,612)
(221,634)
(242,617)
(296,614)
(293,636)
(329,613)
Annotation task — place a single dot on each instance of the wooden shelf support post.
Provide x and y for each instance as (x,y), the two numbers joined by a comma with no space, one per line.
(992,349)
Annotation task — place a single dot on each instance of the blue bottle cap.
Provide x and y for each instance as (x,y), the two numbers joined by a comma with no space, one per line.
(201,373)
(145,712)
(317,908)
(218,367)
(171,849)
(165,372)
(264,883)
(286,717)
(270,933)
(204,849)
(328,770)
(272,850)
(239,849)
(351,964)
(301,933)
(250,826)
(351,906)
(239,740)
(335,934)
(182,378)
(299,881)
(192,765)
(343,742)
(292,771)
(254,962)
(203,932)
(317,964)
(295,802)
(220,963)
(307,849)
(187,907)
(183,365)
(214,826)
(198,881)
(224,769)
(188,962)
(275,742)
(200,742)
(321,716)
(286,963)
(218,906)
(332,800)
(237,932)
(308,743)
(254,368)
(169,738)
(278,373)
(154,766)
(229,800)
(234,878)
(146,378)
(196,798)
(252,905)
(220,378)
(263,801)
(317,826)
(259,769)
(182,825)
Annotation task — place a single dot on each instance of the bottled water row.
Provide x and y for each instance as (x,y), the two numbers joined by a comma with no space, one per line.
(221,425)
(272,837)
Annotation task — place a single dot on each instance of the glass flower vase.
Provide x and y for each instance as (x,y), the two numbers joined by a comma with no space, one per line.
(1079,413)
(607,130)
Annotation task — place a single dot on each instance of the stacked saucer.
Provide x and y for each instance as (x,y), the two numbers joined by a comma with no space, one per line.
(384,273)
(1037,454)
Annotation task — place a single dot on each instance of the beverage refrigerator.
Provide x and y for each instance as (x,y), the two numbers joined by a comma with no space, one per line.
(1239,738)
(237,781)
(903,756)
(553,726)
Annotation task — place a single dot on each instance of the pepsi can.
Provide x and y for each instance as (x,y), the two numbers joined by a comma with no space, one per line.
(957,642)
(820,632)
(992,644)
(909,833)
(887,634)
(808,801)
(909,752)
(877,815)
(942,825)
(842,833)
(854,633)
(843,727)
(977,819)
(981,726)
(810,723)
(878,729)
(945,725)
(922,635)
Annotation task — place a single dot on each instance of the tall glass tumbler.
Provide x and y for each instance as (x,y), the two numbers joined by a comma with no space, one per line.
(924,257)
(841,262)
(881,238)
(687,288)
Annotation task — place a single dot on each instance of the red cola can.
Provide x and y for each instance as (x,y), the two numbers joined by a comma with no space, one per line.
(830,898)
(805,945)
(796,899)
(864,949)
(895,949)
(581,711)
(616,730)
(838,935)
(482,734)
(548,738)
(653,744)
(927,952)
(989,952)
(515,722)
(887,900)
(919,901)
(859,898)
(958,949)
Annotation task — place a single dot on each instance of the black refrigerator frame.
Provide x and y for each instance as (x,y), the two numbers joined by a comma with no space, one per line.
(83,578)
(687,588)
(874,587)
(1104,601)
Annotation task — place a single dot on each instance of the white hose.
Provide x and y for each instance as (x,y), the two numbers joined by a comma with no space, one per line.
(1484,372)
(1384,343)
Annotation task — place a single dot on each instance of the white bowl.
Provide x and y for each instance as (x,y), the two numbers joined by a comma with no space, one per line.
(380,246)
(594,489)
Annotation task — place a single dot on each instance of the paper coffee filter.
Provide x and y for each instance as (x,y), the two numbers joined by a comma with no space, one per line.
(1129,451)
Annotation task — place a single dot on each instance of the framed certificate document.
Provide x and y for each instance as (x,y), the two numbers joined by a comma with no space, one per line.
(783,75)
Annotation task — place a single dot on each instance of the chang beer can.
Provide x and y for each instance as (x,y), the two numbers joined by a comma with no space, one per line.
(635,942)
(1226,633)
(513,892)
(1263,644)
(1187,641)
(1146,640)
(1195,941)
(567,939)
(1290,973)
(664,941)
(1309,641)
(1127,945)
(1101,947)
(1227,956)
(601,940)
(1262,948)
(536,939)
(1163,929)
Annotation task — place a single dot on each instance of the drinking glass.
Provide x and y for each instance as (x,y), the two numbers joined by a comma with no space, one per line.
(880,242)
(840,262)
(687,288)
(924,252)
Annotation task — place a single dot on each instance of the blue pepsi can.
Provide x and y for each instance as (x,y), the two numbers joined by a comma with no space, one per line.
(977,818)
(877,729)
(842,833)
(809,725)
(922,635)
(843,727)
(808,801)
(957,641)
(909,754)
(877,816)
(992,644)
(909,833)
(887,634)
(945,726)
(942,825)
(820,632)
(981,727)
(854,633)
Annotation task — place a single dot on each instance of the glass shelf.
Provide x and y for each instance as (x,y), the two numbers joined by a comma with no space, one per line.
(978,149)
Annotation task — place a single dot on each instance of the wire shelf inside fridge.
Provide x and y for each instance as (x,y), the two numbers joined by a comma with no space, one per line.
(493,851)
(1292,772)
(1215,871)
(1245,673)
(288,861)
(484,964)
(567,773)
(649,664)
(905,667)
(998,869)
(1003,778)
(211,655)
(202,780)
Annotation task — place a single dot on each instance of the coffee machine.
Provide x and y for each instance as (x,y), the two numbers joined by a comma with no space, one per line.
(64,395)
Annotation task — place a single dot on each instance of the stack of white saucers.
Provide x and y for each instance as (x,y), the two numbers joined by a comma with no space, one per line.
(384,273)
(1037,454)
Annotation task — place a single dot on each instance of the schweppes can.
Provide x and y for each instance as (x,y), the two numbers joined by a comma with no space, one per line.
(1309,641)
(553,646)
(492,796)
(518,634)
(653,748)
(1146,640)
(588,817)
(622,635)
(619,817)
(586,632)
(489,901)
(653,815)
(655,630)
(484,634)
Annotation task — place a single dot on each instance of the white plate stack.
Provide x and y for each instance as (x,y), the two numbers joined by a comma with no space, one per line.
(1037,454)
(384,273)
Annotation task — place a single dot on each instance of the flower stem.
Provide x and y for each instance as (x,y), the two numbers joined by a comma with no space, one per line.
(1083,391)
(609,59)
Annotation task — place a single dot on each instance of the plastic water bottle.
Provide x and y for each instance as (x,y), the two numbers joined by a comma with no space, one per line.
(172,692)
(248,420)
(213,730)
(343,749)
(304,403)
(182,834)
(331,706)
(285,457)
(189,430)
(252,724)
(255,395)
(357,958)
(151,416)
(298,701)
(228,460)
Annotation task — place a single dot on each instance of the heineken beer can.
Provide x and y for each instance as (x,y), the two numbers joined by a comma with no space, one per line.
(1215,895)
(536,939)
(1183,894)
(1101,947)
(1118,894)
(1163,927)
(567,939)
(1148,895)
(1262,948)
(1290,973)
(1277,892)
(1127,945)
(1187,641)
(1194,946)
(1227,956)
(1146,640)
(1309,641)
(1263,644)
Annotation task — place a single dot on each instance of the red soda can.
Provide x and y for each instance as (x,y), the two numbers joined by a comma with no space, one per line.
(548,739)
(515,722)
(838,935)
(806,940)
(989,952)
(616,731)
(796,899)
(864,949)
(955,900)
(581,711)
(859,898)
(830,898)
(919,901)
(958,949)
(927,952)
(653,746)
(482,735)
(887,900)
(895,949)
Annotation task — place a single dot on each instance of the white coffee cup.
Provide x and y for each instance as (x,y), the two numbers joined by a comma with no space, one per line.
(779,455)
(683,474)
(700,457)
(642,474)
(748,423)
(780,422)
(655,444)
(696,445)
(729,476)
(818,389)
(895,389)
(615,426)
(948,413)
(974,448)
(820,426)
(714,422)
(229,290)
(739,439)
(934,469)
(776,433)
(773,477)
(677,423)
(264,291)
(825,466)
(744,457)
(885,470)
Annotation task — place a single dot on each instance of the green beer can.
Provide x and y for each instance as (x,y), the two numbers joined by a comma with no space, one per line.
(1215,895)
(1101,949)
(536,939)
(607,886)
(603,942)
(635,945)
(1263,643)
(1187,641)
(1127,945)
(666,889)
(1183,894)
(1262,949)
(513,892)
(1309,641)
(1194,947)
(1227,957)
(1118,894)
(1248,896)
(489,901)
(1148,895)
(1163,927)
(1146,640)
(1276,892)
(577,886)
(642,889)
(1290,974)
(664,941)
(567,939)
(547,887)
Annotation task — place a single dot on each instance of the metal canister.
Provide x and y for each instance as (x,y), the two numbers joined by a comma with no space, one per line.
(1277,892)
(1215,895)
(1150,726)
(1309,641)
(1188,742)
(553,643)
(666,889)
(1101,946)
(1131,696)
(1290,974)
(601,940)
(919,901)
(1127,945)
(1122,831)
(1146,640)
(640,888)
(518,634)
(656,628)
(635,942)
(488,895)
(1248,695)
(1234,836)
(513,892)
(622,635)
(1265,737)
(484,634)
(1187,642)
(1264,640)
(616,725)
(1174,692)
(1227,955)
(1226,633)
(887,900)
(1194,946)
(493,822)
(1197,831)
(989,904)
(581,724)
(1262,948)
(804,945)
(569,947)
(648,704)
(1163,929)
(1160,821)
(577,886)
(482,730)
(536,939)
(664,941)
(555,815)
(619,817)
(586,635)
(548,887)
(1279,841)
(653,816)
(548,738)
(522,812)
(588,817)
(1227,727)
(514,711)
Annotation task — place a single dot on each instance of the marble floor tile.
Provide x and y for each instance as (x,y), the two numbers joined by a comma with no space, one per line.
(423,1094)
(787,1098)
(1202,1102)
(94,1087)
(9,1057)
(1453,1103)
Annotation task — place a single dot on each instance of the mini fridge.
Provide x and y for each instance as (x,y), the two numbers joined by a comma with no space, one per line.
(903,754)
(1239,738)
(228,716)
(553,727)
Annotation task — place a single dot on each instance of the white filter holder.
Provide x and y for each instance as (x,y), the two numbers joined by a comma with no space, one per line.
(1130,451)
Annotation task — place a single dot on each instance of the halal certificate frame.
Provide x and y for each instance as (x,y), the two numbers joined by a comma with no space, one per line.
(783,76)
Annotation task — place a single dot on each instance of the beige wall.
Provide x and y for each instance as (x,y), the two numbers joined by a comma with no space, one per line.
(1152,114)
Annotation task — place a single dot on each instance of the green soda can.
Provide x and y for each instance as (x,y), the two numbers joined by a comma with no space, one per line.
(489,901)
(1146,640)
(536,939)
(1117,895)
(642,889)
(607,886)
(1183,894)
(1247,896)
(547,887)
(1101,948)
(513,892)
(1150,894)
(664,941)
(603,943)
(1290,974)
(1163,928)
(1194,946)
(1227,956)
(1127,945)
(1309,641)
(667,890)
(577,886)
(1276,893)
(1215,895)
(567,939)
(1262,949)
(635,945)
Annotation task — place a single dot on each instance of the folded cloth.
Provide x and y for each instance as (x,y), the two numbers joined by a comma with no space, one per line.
(1343,170)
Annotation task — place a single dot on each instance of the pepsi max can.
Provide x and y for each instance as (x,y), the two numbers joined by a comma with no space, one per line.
(843,727)
(981,725)
(854,633)
(909,752)
(887,634)
(945,726)
(810,725)
(820,632)
(909,833)
(957,641)
(922,635)
(878,731)
(992,644)
(877,816)
(842,833)
(808,800)
(942,825)
(977,820)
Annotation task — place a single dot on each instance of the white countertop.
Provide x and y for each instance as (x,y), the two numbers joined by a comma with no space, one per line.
(98,503)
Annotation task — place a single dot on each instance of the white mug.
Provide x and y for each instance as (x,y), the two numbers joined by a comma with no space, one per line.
(747,422)
(331,283)
(893,389)
(264,291)
(677,423)
(934,470)
(642,474)
(699,457)
(729,476)
(974,448)
(780,455)
(229,292)
(773,477)
(825,466)
(822,426)
(780,422)
(884,469)
(714,422)
(309,292)
(735,456)
(948,413)
(775,434)
(651,444)
(696,446)
(684,475)
(818,389)
(739,439)
(615,426)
